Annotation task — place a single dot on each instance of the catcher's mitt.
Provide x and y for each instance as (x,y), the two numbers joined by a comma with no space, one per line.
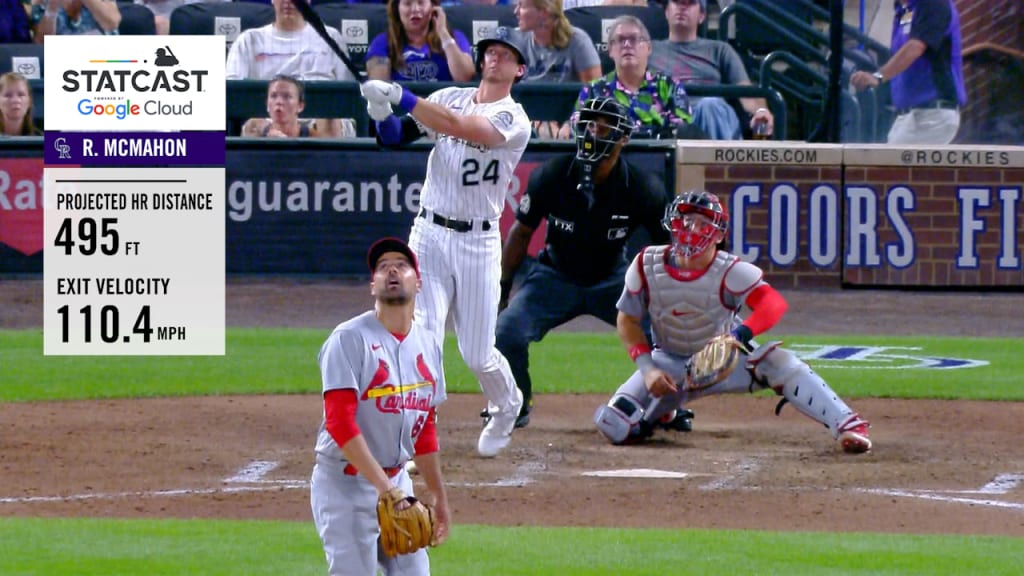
(407,530)
(713,363)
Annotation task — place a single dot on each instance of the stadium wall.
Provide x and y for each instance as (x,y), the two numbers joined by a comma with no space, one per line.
(810,215)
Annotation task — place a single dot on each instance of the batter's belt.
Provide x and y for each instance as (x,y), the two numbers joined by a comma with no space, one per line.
(452,223)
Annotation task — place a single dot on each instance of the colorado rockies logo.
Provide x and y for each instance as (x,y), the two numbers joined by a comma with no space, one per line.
(503,119)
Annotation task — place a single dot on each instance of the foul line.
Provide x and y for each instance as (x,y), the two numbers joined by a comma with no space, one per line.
(285,485)
(253,474)
(941,498)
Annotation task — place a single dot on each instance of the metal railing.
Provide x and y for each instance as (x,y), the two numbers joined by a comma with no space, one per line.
(813,94)
(542,101)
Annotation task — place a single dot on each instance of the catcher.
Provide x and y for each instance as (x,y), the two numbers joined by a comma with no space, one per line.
(382,381)
(693,292)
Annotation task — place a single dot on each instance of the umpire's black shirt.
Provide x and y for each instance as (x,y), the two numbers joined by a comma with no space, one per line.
(586,243)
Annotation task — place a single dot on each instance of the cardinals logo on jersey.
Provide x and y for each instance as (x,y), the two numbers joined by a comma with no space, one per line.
(392,398)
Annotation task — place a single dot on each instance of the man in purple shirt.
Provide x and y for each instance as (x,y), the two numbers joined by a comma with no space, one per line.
(926,72)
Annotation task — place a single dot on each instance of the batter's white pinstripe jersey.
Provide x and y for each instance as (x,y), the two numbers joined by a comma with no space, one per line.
(261,53)
(467,181)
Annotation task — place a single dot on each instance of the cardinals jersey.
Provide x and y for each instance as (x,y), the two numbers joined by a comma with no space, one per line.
(397,383)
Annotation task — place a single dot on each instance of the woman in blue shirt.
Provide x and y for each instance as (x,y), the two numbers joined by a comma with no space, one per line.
(418,46)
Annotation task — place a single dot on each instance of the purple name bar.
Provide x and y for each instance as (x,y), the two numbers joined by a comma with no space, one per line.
(134,148)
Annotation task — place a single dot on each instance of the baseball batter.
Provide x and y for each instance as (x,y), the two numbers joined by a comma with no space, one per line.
(480,135)
(382,381)
(692,292)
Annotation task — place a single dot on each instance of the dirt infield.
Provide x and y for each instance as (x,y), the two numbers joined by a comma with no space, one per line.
(938,466)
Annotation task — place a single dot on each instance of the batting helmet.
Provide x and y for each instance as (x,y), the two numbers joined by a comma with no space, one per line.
(697,221)
(506,37)
(591,144)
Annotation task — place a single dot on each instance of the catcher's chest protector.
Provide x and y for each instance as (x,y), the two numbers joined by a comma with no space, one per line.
(686,314)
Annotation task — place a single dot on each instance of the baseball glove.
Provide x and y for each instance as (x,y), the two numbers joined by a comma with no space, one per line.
(713,363)
(407,530)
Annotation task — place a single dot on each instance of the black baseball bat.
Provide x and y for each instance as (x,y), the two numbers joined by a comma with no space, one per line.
(317,23)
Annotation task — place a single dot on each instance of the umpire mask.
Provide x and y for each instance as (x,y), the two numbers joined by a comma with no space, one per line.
(601,124)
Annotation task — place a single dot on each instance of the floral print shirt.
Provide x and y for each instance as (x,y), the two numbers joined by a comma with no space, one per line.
(657,107)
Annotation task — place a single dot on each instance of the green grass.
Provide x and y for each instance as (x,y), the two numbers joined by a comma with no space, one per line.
(261,361)
(112,547)
(278,361)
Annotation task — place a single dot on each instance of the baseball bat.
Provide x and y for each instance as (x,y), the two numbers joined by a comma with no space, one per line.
(317,23)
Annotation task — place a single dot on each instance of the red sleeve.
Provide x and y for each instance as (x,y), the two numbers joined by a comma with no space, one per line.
(340,415)
(427,442)
(766,308)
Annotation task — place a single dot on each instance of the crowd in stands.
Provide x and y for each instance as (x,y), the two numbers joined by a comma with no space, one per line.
(16,106)
(419,44)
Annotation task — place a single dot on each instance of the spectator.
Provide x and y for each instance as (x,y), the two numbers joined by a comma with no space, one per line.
(656,103)
(419,46)
(286,98)
(288,46)
(16,106)
(162,12)
(689,59)
(285,46)
(14,22)
(926,71)
(74,18)
(556,51)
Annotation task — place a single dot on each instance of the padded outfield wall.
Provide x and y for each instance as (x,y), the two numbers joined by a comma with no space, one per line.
(868,215)
(810,215)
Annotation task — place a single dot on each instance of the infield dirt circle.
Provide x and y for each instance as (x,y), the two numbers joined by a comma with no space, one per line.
(937,467)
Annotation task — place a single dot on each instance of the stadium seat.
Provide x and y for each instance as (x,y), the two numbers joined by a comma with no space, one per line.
(136,20)
(225,18)
(358,24)
(25,59)
(478,21)
(752,36)
(594,20)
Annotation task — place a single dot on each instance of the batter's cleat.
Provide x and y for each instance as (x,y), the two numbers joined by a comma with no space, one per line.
(680,420)
(497,432)
(855,440)
(496,435)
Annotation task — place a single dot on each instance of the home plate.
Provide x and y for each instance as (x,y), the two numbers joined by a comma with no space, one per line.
(636,473)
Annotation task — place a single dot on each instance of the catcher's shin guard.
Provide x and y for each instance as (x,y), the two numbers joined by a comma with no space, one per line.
(794,380)
(621,420)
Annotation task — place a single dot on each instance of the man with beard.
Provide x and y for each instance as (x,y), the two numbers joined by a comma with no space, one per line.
(382,381)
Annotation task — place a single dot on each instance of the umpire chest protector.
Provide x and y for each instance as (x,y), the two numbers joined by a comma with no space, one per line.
(685,314)
(586,236)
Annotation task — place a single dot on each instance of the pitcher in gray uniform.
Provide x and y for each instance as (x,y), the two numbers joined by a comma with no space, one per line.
(692,291)
(382,381)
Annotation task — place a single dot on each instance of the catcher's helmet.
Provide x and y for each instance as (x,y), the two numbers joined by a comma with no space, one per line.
(594,142)
(506,37)
(697,220)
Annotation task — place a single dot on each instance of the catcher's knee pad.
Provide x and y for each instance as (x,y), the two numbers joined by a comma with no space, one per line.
(621,420)
(773,364)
